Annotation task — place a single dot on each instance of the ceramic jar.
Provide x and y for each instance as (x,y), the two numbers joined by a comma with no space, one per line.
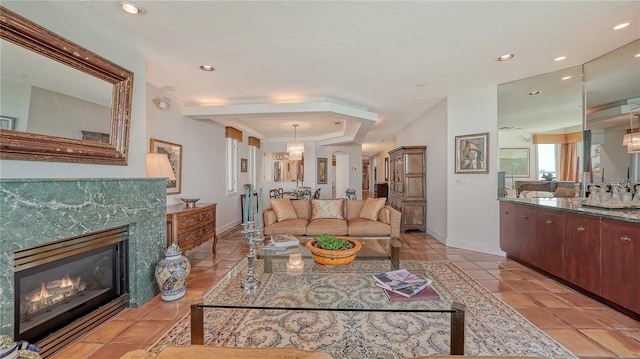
(172,273)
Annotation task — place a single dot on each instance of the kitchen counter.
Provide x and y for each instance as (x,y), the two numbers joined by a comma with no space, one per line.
(572,205)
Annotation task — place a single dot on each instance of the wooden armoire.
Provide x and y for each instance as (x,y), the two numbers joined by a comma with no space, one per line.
(408,186)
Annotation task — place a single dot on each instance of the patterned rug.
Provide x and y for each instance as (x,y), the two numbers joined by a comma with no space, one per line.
(233,234)
(492,327)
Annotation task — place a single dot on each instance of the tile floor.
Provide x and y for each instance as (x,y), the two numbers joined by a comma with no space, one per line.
(586,327)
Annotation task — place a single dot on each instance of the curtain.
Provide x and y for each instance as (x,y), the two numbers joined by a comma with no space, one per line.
(568,162)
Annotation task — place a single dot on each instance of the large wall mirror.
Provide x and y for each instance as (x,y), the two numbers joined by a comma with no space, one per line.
(278,168)
(60,101)
(612,95)
(543,111)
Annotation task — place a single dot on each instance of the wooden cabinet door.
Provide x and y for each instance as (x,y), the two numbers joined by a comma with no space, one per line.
(582,251)
(621,263)
(525,232)
(549,241)
(507,228)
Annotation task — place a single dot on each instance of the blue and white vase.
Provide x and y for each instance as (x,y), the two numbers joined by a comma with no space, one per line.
(351,196)
(172,273)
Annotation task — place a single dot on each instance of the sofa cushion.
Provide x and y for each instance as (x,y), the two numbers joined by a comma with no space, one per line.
(284,209)
(302,207)
(371,207)
(296,227)
(353,208)
(333,226)
(327,208)
(360,227)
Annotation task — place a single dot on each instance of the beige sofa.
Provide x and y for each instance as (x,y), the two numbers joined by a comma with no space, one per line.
(338,217)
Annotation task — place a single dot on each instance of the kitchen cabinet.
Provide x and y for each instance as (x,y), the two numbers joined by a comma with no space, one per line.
(581,254)
(190,227)
(508,242)
(621,263)
(549,241)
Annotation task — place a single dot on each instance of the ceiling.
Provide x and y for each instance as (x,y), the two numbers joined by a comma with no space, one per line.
(382,64)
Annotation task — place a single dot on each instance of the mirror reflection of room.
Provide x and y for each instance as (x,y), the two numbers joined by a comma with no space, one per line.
(546,114)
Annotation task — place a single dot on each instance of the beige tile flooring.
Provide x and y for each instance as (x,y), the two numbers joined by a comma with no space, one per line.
(586,327)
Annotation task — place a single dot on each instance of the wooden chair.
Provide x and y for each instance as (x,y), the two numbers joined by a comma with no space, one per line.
(274,193)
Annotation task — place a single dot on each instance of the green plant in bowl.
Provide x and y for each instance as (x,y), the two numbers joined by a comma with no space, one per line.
(332,243)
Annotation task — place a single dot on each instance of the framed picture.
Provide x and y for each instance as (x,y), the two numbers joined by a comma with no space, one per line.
(322,171)
(514,162)
(243,165)
(7,123)
(174,152)
(386,168)
(472,153)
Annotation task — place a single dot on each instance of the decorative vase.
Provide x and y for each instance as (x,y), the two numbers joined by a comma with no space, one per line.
(172,273)
(328,257)
(351,196)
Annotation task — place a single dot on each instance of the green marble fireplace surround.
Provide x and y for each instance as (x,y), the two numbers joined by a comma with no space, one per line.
(36,211)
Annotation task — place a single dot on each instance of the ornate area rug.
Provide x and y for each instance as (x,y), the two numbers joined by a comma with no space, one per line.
(233,234)
(492,327)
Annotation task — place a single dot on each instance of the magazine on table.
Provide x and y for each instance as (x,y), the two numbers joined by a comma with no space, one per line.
(409,291)
(427,293)
(398,279)
(284,240)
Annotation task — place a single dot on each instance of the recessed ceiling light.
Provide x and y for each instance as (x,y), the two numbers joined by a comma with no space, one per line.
(131,8)
(532,93)
(560,58)
(506,57)
(207,68)
(565,78)
(621,26)
(637,55)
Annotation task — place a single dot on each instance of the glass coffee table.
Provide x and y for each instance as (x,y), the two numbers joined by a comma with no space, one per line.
(291,281)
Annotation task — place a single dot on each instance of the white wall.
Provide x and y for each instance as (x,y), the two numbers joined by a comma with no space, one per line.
(472,205)
(431,130)
(203,157)
(49,17)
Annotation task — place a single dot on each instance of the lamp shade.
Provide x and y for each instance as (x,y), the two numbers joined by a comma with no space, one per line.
(158,166)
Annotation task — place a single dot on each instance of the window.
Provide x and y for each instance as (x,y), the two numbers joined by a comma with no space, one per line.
(232,165)
(547,161)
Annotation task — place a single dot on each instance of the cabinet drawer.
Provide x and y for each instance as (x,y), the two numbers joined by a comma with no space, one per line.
(186,220)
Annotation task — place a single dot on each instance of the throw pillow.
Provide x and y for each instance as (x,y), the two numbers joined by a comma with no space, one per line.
(283,208)
(327,208)
(371,208)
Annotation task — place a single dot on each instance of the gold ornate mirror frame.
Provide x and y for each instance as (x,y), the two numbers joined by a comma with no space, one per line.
(16,145)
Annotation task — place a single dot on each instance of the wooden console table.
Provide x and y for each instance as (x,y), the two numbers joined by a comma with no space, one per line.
(190,227)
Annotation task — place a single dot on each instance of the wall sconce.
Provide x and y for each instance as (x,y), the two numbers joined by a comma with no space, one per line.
(158,166)
(163,103)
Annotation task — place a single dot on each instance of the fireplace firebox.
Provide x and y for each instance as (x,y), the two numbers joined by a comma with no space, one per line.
(65,288)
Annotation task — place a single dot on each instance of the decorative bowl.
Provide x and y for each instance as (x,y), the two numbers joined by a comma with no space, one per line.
(190,202)
(333,258)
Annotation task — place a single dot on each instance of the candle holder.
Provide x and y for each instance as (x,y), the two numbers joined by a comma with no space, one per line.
(252,236)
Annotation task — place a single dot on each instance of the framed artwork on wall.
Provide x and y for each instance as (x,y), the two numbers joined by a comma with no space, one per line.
(243,165)
(322,171)
(174,152)
(472,153)
(514,162)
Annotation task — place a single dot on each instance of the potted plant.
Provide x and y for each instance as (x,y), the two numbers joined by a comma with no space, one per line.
(350,193)
(333,251)
(305,194)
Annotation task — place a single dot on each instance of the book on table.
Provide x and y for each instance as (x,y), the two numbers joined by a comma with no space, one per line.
(409,291)
(284,240)
(426,293)
(398,279)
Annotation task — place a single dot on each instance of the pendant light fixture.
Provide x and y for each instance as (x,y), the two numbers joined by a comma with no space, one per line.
(295,148)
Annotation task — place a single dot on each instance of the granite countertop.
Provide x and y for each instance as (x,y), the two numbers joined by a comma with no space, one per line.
(573,205)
